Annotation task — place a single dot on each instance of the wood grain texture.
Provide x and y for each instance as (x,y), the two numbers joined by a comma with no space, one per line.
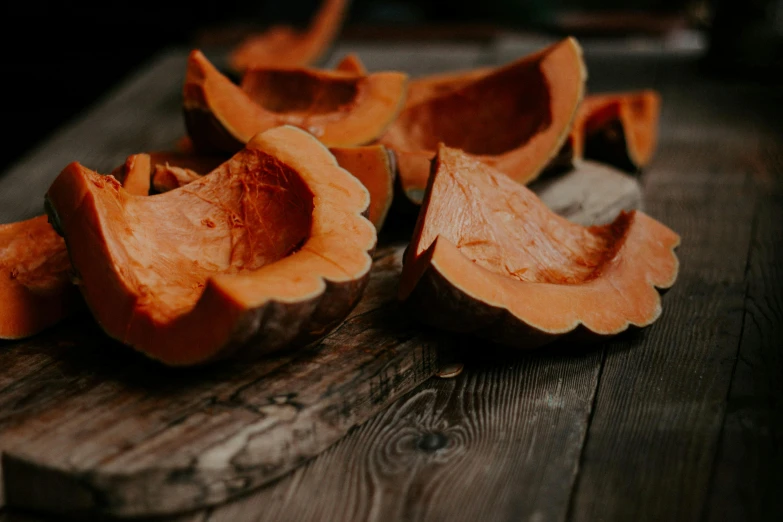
(659,407)
(101,430)
(748,476)
(499,442)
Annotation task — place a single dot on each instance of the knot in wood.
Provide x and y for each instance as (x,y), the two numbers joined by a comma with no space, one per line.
(430,442)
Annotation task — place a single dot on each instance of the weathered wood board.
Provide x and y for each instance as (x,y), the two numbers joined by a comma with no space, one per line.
(87,427)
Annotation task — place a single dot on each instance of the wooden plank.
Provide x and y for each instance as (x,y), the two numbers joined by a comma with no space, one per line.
(499,442)
(101,430)
(748,475)
(659,407)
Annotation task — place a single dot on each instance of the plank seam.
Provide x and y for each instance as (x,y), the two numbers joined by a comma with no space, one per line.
(586,438)
(745,313)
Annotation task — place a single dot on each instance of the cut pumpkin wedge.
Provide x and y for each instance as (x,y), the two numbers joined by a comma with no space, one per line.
(339,108)
(36,291)
(489,258)
(269,251)
(514,118)
(283,46)
(162,171)
(620,129)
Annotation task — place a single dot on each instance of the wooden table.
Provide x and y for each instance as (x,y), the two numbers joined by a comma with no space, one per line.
(679,421)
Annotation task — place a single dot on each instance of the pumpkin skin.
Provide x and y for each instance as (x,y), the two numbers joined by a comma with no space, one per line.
(620,129)
(339,108)
(269,251)
(282,46)
(489,258)
(514,118)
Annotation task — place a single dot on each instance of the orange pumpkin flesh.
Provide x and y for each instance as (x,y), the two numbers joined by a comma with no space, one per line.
(282,46)
(489,258)
(351,63)
(163,170)
(373,166)
(35,286)
(339,108)
(270,250)
(514,118)
(370,164)
(617,128)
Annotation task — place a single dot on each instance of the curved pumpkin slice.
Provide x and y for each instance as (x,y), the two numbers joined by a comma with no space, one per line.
(270,250)
(373,166)
(340,109)
(282,46)
(351,63)
(35,286)
(620,129)
(515,118)
(36,291)
(489,258)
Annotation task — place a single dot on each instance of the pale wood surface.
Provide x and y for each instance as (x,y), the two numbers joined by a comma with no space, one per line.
(679,421)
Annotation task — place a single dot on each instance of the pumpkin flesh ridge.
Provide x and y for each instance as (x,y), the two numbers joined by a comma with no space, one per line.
(484,242)
(174,270)
(339,108)
(283,46)
(351,63)
(515,118)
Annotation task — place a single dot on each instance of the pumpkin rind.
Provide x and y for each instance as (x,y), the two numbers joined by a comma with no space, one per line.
(221,116)
(514,118)
(488,258)
(283,46)
(269,251)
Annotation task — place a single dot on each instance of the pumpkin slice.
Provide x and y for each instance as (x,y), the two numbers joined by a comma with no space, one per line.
(514,118)
(36,291)
(282,46)
(270,250)
(373,165)
(489,258)
(341,109)
(620,129)
(35,285)
(351,63)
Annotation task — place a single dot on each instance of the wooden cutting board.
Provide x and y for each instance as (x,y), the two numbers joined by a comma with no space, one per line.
(87,427)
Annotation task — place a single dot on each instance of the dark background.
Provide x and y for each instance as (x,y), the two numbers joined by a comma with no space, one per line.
(61,57)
